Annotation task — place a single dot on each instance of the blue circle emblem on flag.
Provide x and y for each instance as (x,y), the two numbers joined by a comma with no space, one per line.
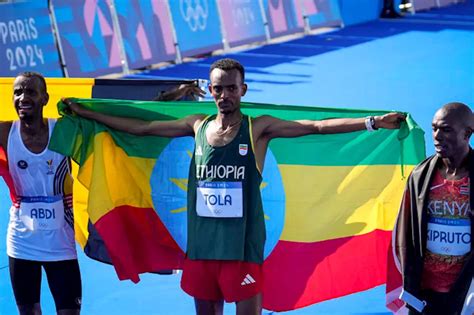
(169,184)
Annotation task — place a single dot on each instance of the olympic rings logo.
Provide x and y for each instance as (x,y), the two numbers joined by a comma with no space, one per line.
(195,13)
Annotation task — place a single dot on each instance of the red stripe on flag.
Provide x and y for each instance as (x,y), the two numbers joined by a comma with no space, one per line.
(300,274)
(138,242)
(394,281)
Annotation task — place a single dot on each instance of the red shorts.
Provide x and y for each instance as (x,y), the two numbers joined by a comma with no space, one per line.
(215,280)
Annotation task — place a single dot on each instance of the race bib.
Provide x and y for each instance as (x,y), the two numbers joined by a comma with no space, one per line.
(449,236)
(219,199)
(42,213)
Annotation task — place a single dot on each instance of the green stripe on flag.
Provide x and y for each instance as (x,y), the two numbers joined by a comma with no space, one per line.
(352,148)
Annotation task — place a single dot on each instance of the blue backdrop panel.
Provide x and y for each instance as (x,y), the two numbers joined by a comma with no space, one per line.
(197,26)
(87,37)
(26,40)
(146,32)
(443,3)
(327,13)
(423,4)
(355,12)
(242,21)
(283,16)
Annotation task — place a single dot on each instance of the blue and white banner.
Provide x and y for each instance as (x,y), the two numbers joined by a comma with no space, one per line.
(197,26)
(88,38)
(423,4)
(284,17)
(443,3)
(287,16)
(322,12)
(146,30)
(26,40)
(242,21)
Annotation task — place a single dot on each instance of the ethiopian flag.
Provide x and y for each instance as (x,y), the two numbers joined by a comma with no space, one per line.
(330,201)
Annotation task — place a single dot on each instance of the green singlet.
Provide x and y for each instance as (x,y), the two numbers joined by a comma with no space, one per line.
(225,212)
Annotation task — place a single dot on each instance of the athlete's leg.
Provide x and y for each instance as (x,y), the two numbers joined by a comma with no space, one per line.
(64,279)
(34,309)
(250,306)
(25,276)
(205,307)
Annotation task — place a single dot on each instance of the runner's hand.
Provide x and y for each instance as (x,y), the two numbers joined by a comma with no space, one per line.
(389,121)
(189,90)
(73,106)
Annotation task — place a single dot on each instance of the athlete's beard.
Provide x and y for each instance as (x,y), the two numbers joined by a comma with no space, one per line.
(30,118)
(229,111)
(27,119)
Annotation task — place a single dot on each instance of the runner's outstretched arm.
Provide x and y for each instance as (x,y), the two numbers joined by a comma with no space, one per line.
(173,128)
(272,127)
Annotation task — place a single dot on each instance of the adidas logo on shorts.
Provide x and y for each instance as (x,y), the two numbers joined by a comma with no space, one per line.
(248,280)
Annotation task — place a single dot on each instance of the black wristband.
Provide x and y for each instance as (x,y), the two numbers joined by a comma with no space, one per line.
(372,122)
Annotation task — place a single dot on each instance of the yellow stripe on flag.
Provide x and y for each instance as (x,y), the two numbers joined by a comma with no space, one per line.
(81,217)
(331,202)
(116,178)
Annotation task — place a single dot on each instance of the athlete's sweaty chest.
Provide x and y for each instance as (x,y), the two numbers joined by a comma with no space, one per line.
(35,143)
(216,139)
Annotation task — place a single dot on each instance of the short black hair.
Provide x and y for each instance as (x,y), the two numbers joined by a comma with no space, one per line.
(458,107)
(228,64)
(461,112)
(32,74)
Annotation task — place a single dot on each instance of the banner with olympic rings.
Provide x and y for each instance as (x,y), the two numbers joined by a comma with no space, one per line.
(197,26)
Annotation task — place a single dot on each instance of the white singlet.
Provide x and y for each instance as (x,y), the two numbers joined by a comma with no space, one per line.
(41,226)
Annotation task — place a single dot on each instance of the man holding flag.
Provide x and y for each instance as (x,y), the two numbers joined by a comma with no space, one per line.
(41,228)
(226,231)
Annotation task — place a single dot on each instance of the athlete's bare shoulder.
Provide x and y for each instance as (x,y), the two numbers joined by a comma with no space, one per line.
(196,120)
(261,124)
